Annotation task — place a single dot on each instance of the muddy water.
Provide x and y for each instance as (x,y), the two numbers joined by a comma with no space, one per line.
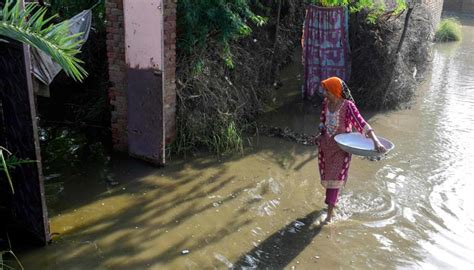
(413,210)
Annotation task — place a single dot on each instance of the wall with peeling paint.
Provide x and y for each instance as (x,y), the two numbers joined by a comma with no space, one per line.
(141,52)
(143,33)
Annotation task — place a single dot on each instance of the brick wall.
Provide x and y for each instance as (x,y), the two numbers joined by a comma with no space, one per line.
(436,7)
(117,72)
(169,15)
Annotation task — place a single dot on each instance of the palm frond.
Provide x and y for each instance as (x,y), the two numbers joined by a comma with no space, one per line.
(30,26)
(4,168)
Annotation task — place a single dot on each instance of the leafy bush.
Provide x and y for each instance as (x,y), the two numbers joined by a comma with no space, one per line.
(449,29)
(217,20)
(375,8)
(66,9)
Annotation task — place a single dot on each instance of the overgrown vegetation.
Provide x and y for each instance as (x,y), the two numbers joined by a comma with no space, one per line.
(220,20)
(382,78)
(229,54)
(373,9)
(449,29)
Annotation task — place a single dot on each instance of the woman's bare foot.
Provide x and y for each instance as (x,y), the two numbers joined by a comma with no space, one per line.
(327,220)
(330,213)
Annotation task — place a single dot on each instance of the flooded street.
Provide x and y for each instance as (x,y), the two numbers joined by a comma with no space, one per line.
(412,210)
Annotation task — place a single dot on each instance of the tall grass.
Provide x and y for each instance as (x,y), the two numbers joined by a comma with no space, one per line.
(220,136)
(449,29)
(10,163)
(227,139)
(8,252)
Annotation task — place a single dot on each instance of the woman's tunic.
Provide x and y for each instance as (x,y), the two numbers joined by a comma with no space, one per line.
(333,161)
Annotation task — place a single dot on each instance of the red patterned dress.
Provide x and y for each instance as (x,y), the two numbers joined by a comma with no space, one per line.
(334,162)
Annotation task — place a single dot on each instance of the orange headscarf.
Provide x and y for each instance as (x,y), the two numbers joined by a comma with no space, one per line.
(333,85)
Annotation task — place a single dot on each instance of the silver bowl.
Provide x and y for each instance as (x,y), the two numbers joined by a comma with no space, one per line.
(357,144)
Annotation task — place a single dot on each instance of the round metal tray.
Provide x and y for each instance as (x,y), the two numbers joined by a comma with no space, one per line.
(357,144)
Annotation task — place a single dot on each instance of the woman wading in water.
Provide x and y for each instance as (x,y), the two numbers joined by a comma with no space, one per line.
(338,115)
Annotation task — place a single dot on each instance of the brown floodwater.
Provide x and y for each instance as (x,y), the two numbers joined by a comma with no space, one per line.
(412,210)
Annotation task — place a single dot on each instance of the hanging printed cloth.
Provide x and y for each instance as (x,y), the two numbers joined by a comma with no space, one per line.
(325,46)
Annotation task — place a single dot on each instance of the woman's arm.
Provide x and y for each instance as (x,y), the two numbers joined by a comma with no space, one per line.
(356,119)
(378,145)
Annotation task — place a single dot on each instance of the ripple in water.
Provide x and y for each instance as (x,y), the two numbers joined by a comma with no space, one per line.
(374,210)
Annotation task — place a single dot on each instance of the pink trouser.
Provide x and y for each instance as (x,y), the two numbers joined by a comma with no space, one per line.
(331,196)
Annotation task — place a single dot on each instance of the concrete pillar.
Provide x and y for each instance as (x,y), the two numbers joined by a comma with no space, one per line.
(116,55)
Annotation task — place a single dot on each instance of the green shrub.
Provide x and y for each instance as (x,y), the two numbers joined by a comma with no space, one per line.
(65,9)
(375,8)
(214,20)
(449,29)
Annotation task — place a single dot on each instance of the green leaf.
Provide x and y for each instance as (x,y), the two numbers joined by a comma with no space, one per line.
(5,170)
(29,26)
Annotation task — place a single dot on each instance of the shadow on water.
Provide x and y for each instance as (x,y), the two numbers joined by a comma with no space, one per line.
(280,248)
(167,205)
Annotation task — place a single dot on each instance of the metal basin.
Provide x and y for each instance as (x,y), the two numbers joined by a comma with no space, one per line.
(357,144)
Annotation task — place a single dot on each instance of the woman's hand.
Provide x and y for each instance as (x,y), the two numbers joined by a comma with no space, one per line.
(379,146)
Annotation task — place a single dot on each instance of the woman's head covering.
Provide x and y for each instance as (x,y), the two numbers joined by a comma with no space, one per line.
(333,85)
(338,88)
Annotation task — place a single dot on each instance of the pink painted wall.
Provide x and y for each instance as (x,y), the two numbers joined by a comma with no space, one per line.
(143,33)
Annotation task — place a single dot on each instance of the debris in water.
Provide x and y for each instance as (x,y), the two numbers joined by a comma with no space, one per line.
(111,181)
(52,176)
(224,260)
(185,251)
